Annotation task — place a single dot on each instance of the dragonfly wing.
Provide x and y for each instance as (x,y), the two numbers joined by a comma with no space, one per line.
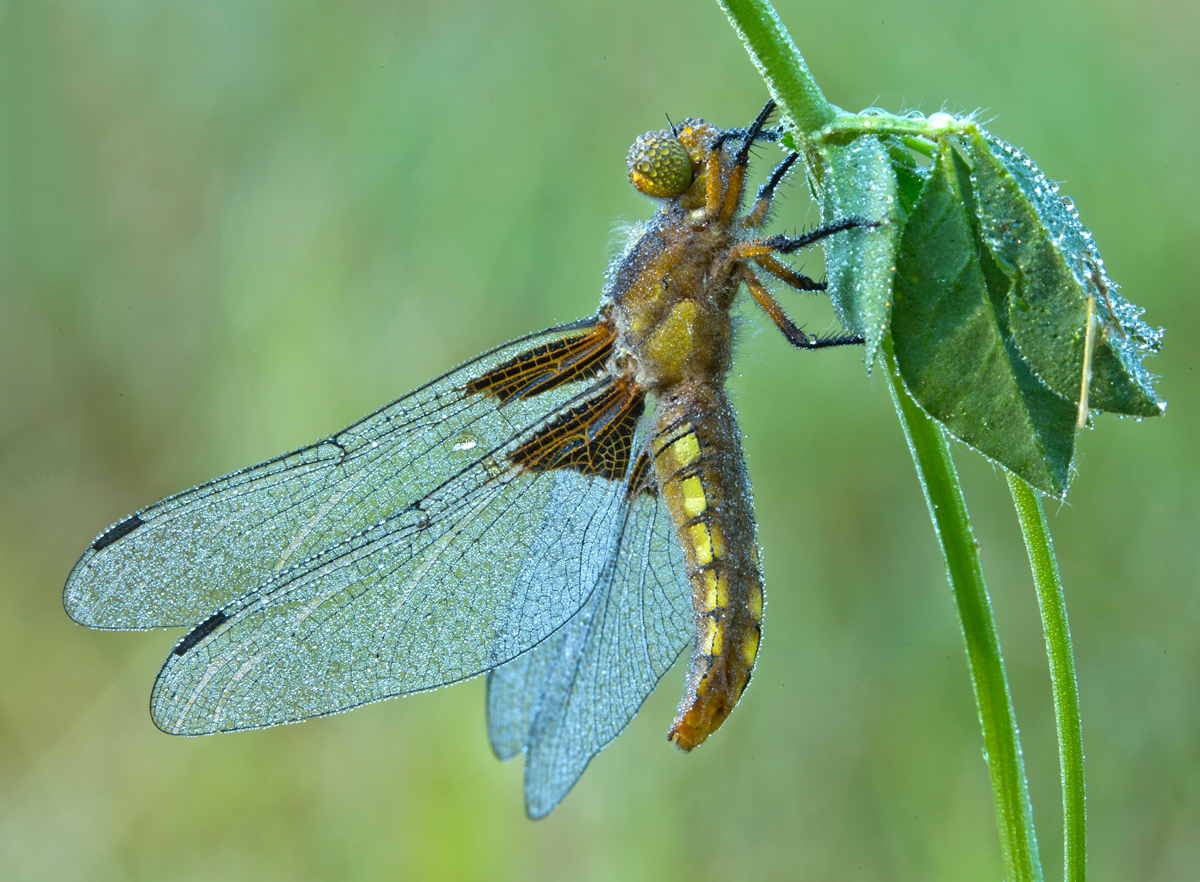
(176,561)
(567,698)
(461,581)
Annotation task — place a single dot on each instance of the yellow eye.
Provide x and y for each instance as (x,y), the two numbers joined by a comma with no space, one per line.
(659,165)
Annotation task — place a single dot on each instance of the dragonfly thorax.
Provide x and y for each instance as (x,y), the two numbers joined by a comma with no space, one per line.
(671,300)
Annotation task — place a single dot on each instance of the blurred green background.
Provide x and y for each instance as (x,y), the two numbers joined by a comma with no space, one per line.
(228,228)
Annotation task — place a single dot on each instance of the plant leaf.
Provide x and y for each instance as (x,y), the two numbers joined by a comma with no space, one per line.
(857,180)
(1051,258)
(950,333)
(910,175)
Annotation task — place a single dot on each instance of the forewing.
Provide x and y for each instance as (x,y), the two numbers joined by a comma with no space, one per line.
(567,698)
(462,580)
(178,560)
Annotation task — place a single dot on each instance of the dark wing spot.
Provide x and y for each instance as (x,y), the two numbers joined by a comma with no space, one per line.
(124,528)
(545,367)
(595,438)
(201,631)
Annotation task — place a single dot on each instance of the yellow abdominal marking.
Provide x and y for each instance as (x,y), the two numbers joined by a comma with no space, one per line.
(750,648)
(694,501)
(686,450)
(701,544)
(713,638)
(718,541)
(754,604)
(716,592)
(710,590)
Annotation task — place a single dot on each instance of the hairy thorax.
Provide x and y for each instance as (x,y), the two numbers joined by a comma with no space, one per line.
(672,297)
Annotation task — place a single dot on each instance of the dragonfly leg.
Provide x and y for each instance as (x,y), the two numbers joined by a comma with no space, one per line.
(760,212)
(786,274)
(793,332)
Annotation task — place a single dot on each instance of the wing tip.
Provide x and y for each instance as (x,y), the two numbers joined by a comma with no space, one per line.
(75,607)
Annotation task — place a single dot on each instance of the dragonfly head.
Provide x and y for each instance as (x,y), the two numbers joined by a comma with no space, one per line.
(670,163)
(659,165)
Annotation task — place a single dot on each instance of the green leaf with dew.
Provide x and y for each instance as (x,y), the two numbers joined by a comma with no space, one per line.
(910,175)
(1052,260)
(951,340)
(857,180)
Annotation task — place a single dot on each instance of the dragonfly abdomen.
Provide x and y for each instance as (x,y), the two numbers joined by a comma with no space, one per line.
(702,477)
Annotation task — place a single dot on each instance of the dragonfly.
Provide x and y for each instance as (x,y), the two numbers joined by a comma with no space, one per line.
(567,513)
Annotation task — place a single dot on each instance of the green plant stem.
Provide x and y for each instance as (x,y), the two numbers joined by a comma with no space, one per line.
(780,63)
(1062,674)
(939,480)
(785,72)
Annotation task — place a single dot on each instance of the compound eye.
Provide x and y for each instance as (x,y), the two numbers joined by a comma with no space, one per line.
(659,165)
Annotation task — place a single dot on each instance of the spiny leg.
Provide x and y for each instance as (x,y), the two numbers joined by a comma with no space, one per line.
(721,203)
(787,244)
(787,275)
(735,190)
(793,332)
(754,132)
(756,249)
(769,135)
(716,203)
(762,252)
(714,196)
(758,214)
